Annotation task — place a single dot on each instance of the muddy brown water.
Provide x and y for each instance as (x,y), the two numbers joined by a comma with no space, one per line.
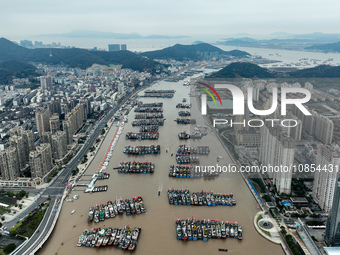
(158,234)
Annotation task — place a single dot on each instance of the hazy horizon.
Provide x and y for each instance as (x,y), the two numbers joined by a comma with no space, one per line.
(174,18)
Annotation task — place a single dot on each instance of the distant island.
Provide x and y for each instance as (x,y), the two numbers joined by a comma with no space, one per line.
(283,41)
(193,52)
(99,34)
(327,47)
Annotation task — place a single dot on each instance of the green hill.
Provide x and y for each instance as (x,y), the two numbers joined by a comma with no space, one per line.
(190,52)
(243,69)
(15,68)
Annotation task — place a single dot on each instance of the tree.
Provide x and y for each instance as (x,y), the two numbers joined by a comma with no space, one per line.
(9,248)
(3,218)
(267,198)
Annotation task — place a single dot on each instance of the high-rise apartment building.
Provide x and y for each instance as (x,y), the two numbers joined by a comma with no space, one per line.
(114,47)
(284,156)
(59,144)
(67,129)
(320,126)
(43,120)
(332,235)
(45,82)
(324,129)
(41,160)
(268,145)
(73,121)
(117,47)
(277,149)
(27,140)
(327,159)
(19,144)
(54,123)
(9,164)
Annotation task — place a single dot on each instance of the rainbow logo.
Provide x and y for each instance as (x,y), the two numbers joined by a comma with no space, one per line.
(209,93)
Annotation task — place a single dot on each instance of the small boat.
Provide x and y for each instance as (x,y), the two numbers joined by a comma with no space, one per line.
(239,232)
(73,211)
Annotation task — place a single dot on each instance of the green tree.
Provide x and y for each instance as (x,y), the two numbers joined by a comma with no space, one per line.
(267,198)
(9,248)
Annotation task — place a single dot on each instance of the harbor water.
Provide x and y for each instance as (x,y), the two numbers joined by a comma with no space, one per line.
(158,235)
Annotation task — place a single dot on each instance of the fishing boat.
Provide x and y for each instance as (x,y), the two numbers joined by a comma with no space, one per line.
(90,215)
(239,232)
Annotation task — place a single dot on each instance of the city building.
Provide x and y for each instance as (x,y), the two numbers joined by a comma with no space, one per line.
(284,156)
(42,117)
(327,158)
(19,144)
(268,145)
(320,126)
(277,149)
(121,89)
(248,138)
(24,140)
(54,123)
(332,235)
(123,47)
(67,129)
(59,144)
(114,47)
(45,82)
(9,164)
(46,137)
(324,129)
(41,160)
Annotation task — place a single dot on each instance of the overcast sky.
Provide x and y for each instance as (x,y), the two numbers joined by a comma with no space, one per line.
(185,17)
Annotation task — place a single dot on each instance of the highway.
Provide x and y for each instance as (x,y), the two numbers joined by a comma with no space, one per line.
(56,189)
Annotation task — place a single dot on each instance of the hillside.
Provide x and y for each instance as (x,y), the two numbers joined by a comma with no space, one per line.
(327,47)
(15,68)
(243,69)
(74,57)
(10,50)
(181,52)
